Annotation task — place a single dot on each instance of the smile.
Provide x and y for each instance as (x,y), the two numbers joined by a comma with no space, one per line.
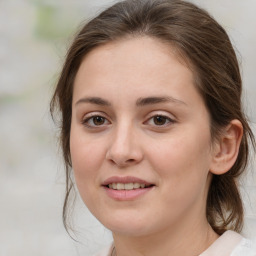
(127,186)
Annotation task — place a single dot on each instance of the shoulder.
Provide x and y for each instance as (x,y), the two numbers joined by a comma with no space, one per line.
(246,247)
(106,251)
(231,244)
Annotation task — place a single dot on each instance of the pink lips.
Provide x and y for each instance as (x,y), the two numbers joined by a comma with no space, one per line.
(126,195)
(127,179)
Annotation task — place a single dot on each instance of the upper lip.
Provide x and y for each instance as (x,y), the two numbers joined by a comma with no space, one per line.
(126,179)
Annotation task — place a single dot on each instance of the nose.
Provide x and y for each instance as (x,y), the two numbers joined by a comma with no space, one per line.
(125,149)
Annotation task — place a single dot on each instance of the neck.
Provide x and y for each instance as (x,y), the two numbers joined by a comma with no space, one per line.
(167,243)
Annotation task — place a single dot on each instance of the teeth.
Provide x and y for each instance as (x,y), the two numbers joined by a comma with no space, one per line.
(126,186)
(119,186)
(136,185)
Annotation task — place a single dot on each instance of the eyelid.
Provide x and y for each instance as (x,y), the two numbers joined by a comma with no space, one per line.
(162,114)
(90,115)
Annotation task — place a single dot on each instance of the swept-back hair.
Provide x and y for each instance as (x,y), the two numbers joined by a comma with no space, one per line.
(205,46)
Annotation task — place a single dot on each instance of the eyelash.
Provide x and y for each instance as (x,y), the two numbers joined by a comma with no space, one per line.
(167,120)
(92,118)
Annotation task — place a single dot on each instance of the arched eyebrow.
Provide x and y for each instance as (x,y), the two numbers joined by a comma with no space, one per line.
(139,102)
(94,100)
(156,100)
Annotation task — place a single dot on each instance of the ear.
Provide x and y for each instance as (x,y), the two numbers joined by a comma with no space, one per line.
(226,149)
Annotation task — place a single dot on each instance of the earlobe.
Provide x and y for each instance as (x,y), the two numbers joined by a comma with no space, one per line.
(227,148)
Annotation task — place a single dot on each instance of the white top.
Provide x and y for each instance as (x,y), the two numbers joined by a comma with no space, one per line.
(229,244)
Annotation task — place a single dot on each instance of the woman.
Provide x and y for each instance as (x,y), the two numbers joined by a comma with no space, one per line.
(153,129)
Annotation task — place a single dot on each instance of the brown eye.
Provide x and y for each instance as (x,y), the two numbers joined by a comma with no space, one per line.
(98,120)
(160,120)
(95,121)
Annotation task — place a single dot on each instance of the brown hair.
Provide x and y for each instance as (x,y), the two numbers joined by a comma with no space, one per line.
(203,43)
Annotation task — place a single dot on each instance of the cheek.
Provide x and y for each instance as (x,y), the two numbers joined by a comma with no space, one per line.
(86,160)
(182,162)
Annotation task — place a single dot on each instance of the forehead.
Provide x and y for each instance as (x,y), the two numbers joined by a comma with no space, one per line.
(145,48)
(136,67)
(145,53)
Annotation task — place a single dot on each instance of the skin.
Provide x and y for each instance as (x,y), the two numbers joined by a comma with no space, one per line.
(176,156)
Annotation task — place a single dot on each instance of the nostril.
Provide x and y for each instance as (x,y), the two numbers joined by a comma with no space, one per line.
(121,163)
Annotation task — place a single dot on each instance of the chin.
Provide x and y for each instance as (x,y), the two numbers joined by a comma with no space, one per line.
(128,225)
(132,230)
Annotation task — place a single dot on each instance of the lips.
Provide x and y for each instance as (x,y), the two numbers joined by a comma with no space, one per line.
(126,180)
(126,188)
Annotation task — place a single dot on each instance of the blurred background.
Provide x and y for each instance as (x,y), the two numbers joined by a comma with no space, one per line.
(34,37)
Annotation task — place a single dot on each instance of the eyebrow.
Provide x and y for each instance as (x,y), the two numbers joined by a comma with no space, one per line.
(139,102)
(155,100)
(94,100)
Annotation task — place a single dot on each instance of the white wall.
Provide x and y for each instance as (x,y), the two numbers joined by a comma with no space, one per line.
(33,39)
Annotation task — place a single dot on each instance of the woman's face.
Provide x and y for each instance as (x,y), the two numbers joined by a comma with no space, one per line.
(140,138)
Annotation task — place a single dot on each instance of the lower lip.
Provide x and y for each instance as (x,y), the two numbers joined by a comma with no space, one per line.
(126,195)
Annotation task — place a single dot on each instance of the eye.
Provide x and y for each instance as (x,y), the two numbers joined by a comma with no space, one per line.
(95,121)
(160,120)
